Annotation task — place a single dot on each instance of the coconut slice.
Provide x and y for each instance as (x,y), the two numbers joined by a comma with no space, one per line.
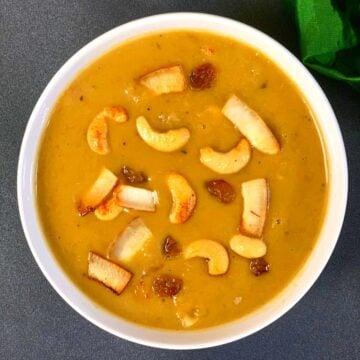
(132,197)
(251,125)
(130,241)
(168,141)
(111,275)
(226,163)
(214,252)
(183,197)
(102,186)
(255,194)
(165,80)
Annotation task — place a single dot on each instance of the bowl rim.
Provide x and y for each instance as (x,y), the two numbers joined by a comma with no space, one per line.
(332,223)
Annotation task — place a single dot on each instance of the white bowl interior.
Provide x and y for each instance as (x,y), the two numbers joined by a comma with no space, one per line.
(338,182)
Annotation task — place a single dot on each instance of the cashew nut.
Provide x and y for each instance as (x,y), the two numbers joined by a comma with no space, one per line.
(214,252)
(183,197)
(226,163)
(168,141)
(109,209)
(248,247)
(98,128)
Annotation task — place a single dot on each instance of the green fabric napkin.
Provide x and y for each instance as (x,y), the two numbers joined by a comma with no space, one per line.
(330,37)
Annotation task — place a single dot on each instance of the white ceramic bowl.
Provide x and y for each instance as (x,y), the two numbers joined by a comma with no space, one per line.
(337,175)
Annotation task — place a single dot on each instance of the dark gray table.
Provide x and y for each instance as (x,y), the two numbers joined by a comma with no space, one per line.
(36,38)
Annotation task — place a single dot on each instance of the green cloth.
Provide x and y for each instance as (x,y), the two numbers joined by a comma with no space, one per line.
(330,37)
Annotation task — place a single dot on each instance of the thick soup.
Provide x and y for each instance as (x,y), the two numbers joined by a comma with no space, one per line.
(181,180)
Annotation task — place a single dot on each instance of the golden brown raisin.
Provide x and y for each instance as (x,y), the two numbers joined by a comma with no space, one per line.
(132,176)
(84,210)
(166,285)
(221,189)
(259,266)
(202,76)
(171,247)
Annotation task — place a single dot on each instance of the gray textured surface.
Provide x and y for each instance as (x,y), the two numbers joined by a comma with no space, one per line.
(36,38)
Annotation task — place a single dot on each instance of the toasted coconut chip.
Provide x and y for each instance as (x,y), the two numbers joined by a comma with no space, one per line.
(183,197)
(165,80)
(214,252)
(108,273)
(130,241)
(251,125)
(102,186)
(136,198)
(256,201)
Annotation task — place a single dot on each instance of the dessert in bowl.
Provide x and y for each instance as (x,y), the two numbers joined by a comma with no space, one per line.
(184,181)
